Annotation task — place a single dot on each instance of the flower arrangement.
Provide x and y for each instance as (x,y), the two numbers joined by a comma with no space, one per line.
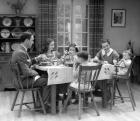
(17,6)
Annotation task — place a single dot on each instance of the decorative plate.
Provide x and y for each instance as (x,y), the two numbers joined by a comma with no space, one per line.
(5,33)
(15,46)
(17,32)
(7,22)
(28,22)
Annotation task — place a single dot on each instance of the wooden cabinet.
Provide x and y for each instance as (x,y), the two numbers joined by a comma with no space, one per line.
(5,72)
(11,28)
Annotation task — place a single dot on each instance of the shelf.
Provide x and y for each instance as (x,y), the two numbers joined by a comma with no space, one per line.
(17,27)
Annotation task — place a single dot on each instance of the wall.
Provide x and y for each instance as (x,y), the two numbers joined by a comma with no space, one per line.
(31,7)
(120,36)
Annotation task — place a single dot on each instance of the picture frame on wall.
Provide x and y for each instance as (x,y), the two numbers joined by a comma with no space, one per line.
(118,17)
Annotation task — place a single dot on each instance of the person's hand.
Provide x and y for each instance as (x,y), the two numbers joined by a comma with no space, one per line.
(104,62)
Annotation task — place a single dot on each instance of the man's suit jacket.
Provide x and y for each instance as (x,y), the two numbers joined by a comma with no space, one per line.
(21,57)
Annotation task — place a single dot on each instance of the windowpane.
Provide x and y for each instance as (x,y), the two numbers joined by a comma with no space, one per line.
(84,49)
(67,39)
(67,25)
(60,39)
(61,10)
(78,25)
(78,39)
(60,25)
(84,39)
(84,25)
(78,11)
(67,10)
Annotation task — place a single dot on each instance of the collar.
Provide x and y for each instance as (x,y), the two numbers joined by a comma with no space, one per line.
(24,47)
(109,53)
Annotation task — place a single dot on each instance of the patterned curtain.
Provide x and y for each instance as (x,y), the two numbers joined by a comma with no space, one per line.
(47,22)
(95,25)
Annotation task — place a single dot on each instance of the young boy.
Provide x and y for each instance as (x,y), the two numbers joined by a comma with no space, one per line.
(82,58)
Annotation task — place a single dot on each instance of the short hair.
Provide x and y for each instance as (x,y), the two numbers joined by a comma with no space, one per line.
(25,36)
(106,41)
(128,52)
(73,45)
(83,55)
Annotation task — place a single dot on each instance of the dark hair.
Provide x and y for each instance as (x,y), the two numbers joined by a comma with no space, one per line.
(74,46)
(46,47)
(106,41)
(83,55)
(25,36)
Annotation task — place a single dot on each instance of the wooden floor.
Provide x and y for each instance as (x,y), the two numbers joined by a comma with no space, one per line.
(120,112)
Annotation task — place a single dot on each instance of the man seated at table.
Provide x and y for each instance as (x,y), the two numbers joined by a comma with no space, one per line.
(106,54)
(30,76)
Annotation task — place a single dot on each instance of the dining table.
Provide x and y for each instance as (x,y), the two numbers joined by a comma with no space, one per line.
(60,74)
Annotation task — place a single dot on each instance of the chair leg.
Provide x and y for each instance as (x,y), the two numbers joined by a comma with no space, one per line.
(21,103)
(112,95)
(33,96)
(94,103)
(79,106)
(130,96)
(14,102)
(67,100)
(117,87)
(41,101)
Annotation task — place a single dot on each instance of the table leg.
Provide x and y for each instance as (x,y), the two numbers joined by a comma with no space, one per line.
(53,99)
(104,93)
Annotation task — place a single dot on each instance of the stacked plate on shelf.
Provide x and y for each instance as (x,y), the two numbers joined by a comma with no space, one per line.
(5,33)
(7,22)
(28,22)
(16,32)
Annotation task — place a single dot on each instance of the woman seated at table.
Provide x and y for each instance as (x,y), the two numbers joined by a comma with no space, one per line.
(106,54)
(70,55)
(124,63)
(48,53)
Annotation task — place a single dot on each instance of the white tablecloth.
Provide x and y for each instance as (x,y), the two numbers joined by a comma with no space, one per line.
(63,74)
(58,74)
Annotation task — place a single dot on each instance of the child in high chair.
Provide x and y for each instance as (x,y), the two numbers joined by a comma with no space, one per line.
(124,63)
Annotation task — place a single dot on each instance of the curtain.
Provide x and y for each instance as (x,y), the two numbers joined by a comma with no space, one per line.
(47,22)
(95,25)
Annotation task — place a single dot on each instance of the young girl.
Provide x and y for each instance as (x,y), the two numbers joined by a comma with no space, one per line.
(124,63)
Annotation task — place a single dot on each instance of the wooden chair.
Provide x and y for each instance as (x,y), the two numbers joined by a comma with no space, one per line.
(87,79)
(127,79)
(19,88)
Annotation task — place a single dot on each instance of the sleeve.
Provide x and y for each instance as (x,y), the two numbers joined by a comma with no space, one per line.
(98,55)
(127,63)
(24,67)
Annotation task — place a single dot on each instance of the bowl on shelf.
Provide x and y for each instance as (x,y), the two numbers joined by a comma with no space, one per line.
(17,32)
(28,22)
(5,33)
(7,22)
(30,31)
